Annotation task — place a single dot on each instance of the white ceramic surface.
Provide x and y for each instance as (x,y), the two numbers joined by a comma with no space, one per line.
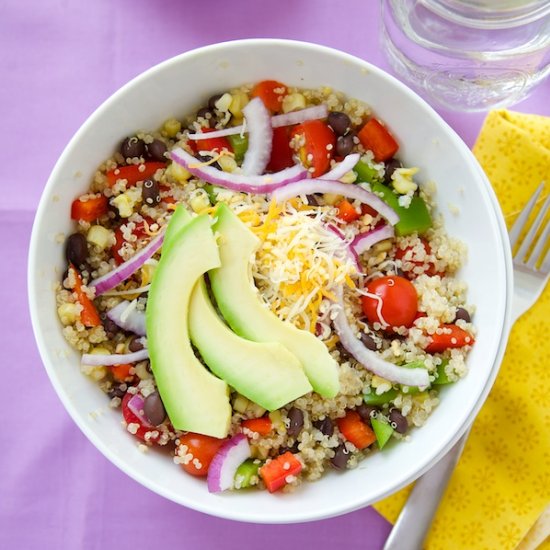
(180,85)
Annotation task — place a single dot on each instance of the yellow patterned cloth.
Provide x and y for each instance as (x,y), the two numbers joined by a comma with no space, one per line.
(502,482)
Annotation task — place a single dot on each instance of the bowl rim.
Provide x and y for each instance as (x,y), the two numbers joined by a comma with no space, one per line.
(227,512)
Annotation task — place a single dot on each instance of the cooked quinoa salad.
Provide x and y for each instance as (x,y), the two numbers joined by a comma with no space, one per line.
(265,289)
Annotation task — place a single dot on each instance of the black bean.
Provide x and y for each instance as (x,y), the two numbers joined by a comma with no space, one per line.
(132,147)
(212,101)
(344,145)
(325,426)
(206,158)
(366,412)
(391,166)
(340,458)
(156,150)
(339,122)
(135,344)
(117,391)
(150,192)
(398,422)
(312,200)
(368,341)
(293,449)
(207,114)
(463,314)
(111,328)
(296,417)
(76,249)
(154,409)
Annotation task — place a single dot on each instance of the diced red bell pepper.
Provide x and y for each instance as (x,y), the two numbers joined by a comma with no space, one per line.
(276,472)
(90,209)
(215,145)
(89,315)
(377,139)
(262,426)
(281,152)
(355,430)
(427,268)
(121,372)
(456,338)
(271,93)
(347,212)
(133,172)
(132,418)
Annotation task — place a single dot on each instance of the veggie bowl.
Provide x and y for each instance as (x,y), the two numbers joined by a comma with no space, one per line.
(266,274)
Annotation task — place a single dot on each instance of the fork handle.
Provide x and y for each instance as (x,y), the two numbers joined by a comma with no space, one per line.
(416,516)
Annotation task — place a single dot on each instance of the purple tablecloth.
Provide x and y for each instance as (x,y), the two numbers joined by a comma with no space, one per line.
(59,60)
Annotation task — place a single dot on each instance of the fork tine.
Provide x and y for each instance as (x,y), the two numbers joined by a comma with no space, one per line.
(524,214)
(530,237)
(538,250)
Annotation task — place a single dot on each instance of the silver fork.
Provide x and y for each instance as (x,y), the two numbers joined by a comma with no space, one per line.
(416,516)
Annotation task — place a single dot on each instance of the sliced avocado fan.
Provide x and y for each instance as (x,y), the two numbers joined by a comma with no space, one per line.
(240,304)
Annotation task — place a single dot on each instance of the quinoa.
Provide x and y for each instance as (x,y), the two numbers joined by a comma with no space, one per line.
(430,262)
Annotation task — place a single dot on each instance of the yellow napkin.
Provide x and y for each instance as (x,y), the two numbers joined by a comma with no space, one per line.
(502,482)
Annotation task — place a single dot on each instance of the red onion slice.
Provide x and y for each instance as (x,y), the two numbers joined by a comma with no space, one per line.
(128,268)
(352,191)
(296,117)
(349,250)
(341,169)
(137,405)
(238,182)
(370,359)
(364,241)
(132,322)
(222,469)
(260,137)
(110,359)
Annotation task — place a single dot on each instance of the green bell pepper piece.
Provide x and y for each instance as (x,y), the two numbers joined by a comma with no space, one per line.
(441,377)
(209,188)
(246,471)
(382,430)
(415,218)
(365,173)
(383,398)
(239,144)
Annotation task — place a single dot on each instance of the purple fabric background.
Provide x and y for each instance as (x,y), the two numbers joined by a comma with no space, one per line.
(59,60)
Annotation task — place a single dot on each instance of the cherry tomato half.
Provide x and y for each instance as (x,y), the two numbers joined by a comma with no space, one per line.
(203,448)
(271,93)
(399,301)
(318,145)
(131,418)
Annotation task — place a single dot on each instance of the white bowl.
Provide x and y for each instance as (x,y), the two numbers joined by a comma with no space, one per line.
(177,87)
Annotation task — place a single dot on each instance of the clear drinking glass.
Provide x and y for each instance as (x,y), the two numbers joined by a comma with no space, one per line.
(468,55)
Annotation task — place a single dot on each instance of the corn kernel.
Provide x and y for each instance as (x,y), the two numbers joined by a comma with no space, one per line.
(69,313)
(171,127)
(238,102)
(349,177)
(382,246)
(126,201)
(147,271)
(224,102)
(177,173)
(277,420)
(331,198)
(141,370)
(378,381)
(96,372)
(293,102)
(199,202)
(227,163)
(254,411)
(402,180)
(100,236)
(240,403)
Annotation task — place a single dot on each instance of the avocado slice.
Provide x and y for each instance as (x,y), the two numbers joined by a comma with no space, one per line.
(195,399)
(266,373)
(240,305)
